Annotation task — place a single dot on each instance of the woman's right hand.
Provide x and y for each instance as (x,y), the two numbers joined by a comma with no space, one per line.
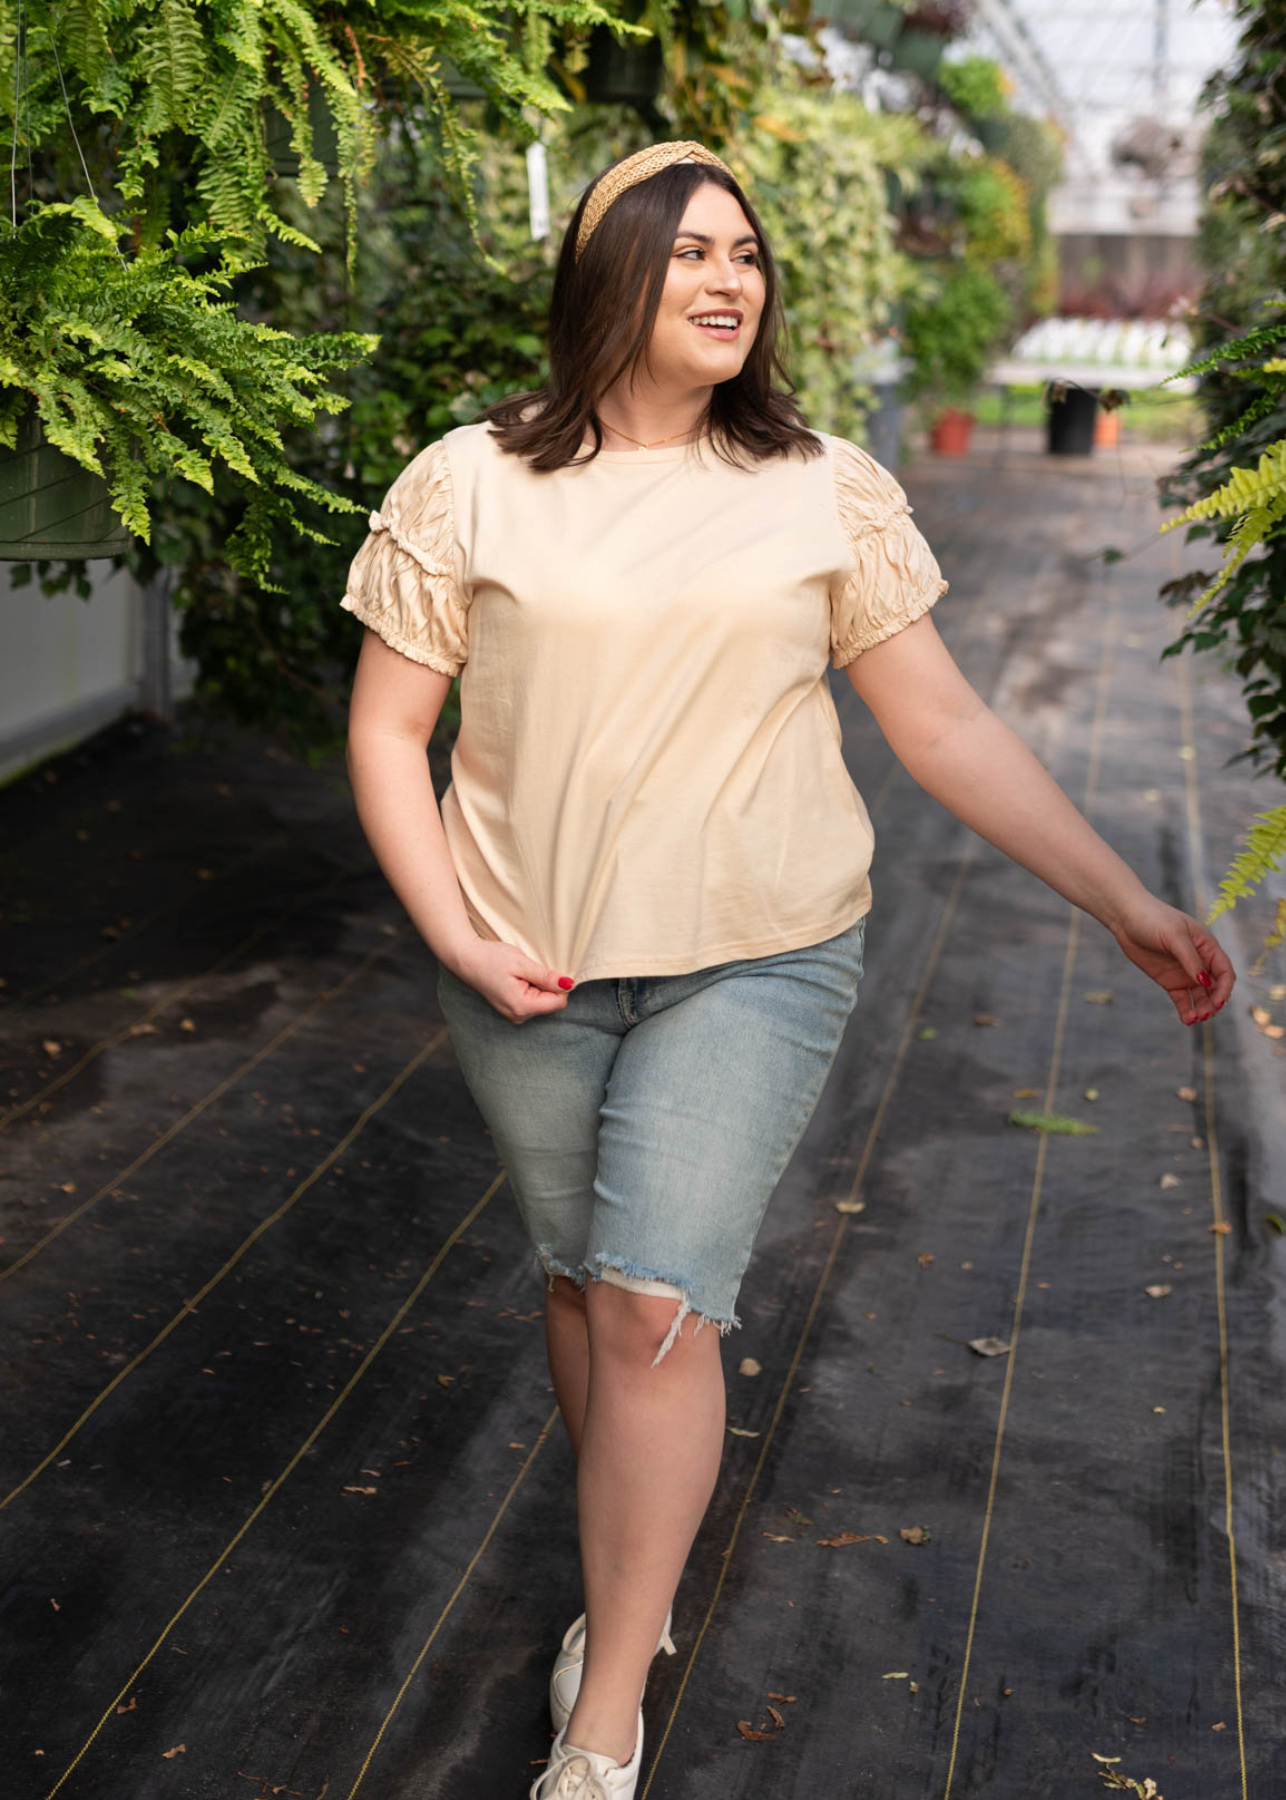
(517,987)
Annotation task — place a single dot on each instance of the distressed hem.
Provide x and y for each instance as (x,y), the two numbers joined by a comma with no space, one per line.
(614,1266)
(554,1265)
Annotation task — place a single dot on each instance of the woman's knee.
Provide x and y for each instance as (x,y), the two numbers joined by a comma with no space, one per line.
(639,1329)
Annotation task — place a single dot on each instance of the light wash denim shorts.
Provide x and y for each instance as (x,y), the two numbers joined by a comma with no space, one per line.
(645,1126)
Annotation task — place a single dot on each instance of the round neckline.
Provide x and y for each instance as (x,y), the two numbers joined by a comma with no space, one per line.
(659,453)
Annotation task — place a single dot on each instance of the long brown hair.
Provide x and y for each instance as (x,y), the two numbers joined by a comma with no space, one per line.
(596,334)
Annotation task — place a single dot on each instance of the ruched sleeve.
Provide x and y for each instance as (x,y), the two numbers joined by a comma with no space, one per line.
(405,582)
(893,577)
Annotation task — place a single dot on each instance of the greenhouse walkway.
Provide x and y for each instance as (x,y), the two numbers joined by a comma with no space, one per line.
(287,1509)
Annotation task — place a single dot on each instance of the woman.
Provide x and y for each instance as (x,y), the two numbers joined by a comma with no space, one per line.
(648,884)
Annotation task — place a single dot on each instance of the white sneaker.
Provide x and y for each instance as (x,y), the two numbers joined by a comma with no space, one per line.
(575,1774)
(564,1683)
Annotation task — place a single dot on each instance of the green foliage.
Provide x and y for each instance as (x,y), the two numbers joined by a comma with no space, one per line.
(976,85)
(140,368)
(171,97)
(817,165)
(1265,847)
(1231,488)
(953,327)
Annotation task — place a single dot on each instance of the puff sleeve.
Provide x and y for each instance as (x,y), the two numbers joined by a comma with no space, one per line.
(405,581)
(893,576)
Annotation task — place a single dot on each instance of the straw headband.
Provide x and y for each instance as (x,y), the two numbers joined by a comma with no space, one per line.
(639,167)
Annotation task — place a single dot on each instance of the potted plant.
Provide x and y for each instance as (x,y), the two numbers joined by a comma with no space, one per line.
(137,370)
(952,330)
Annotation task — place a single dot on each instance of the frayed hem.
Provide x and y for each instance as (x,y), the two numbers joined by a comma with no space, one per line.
(552,1266)
(607,1266)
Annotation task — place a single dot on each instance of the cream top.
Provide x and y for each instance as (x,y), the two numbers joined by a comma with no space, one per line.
(648,777)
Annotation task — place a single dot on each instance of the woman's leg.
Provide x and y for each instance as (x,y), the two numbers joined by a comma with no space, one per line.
(652,1440)
(567,1344)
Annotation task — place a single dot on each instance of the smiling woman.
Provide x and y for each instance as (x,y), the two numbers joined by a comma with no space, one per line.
(648,884)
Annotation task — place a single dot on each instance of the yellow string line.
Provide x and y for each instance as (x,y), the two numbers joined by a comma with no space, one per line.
(868,1149)
(1033,1211)
(285,1474)
(463,1582)
(170,999)
(216,1093)
(1197,860)
(190,1306)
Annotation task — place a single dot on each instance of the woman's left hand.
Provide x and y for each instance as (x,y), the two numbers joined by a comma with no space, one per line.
(1180,955)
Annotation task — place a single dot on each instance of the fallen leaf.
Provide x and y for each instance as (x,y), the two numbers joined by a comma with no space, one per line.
(751,1735)
(776,1537)
(1091,1093)
(1025,1093)
(750,1367)
(927,1031)
(186,1025)
(1186,1093)
(131,1706)
(445,1380)
(786,1699)
(1104,1759)
(1158,1409)
(177,1751)
(54,1604)
(1260,1014)
(926,1258)
(896,1675)
(778,1721)
(146,1029)
(989,1346)
(796,1517)
(361,1490)
(1099,997)
(1043,1121)
(1221,1726)
(1221,1227)
(51,1047)
(914,1534)
(1141,1719)
(912,1687)
(850,1206)
(1168,1180)
(739,1431)
(1159,1292)
(1275,1222)
(984,1019)
(842,1538)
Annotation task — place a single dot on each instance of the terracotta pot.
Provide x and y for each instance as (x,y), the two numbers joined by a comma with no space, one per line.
(1107,429)
(950,433)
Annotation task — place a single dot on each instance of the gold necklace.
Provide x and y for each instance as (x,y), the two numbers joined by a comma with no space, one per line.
(656,442)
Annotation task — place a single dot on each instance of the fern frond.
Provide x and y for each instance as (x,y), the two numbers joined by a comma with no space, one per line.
(1265,847)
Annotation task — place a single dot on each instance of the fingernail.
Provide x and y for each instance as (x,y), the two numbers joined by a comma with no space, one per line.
(565,981)
(1204,978)
(1205,1016)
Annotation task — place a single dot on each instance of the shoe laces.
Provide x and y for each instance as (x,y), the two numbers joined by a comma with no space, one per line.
(574,1778)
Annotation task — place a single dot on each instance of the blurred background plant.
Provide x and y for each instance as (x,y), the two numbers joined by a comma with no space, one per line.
(1232,486)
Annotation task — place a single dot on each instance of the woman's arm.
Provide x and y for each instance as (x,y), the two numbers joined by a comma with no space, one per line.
(951,743)
(394,707)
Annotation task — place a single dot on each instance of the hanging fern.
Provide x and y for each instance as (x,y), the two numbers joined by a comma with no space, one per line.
(141,369)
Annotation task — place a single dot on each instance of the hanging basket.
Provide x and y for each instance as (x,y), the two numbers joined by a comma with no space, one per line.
(624,74)
(276,130)
(51,506)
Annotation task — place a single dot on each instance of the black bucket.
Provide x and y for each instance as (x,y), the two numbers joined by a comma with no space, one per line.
(1071,423)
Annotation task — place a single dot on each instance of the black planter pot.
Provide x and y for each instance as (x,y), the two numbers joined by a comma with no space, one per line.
(51,506)
(622,74)
(276,126)
(1071,423)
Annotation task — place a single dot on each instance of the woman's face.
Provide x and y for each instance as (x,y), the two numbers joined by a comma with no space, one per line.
(713,272)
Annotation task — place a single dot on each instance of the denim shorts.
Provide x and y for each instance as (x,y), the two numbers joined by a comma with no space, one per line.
(645,1126)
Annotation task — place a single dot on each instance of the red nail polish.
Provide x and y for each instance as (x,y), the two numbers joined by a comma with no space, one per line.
(1204,978)
(565,981)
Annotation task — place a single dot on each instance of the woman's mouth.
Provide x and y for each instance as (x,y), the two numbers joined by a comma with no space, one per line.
(724,325)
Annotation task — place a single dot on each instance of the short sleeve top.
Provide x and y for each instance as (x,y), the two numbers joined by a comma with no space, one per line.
(648,776)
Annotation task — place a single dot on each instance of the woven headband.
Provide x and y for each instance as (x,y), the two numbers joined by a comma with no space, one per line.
(639,167)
